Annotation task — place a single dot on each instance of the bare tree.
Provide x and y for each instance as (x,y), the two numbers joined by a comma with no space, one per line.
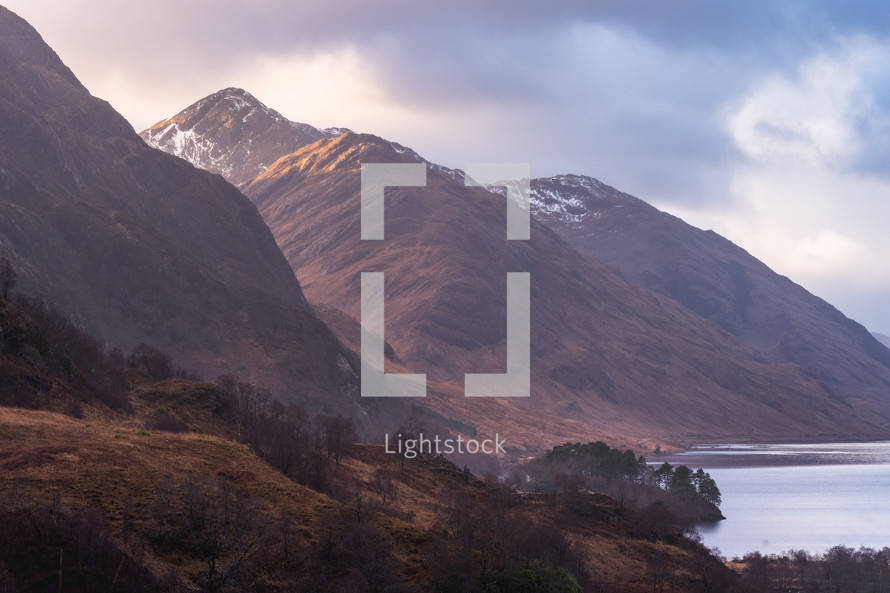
(384,487)
(340,435)
(7,582)
(224,530)
(8,277)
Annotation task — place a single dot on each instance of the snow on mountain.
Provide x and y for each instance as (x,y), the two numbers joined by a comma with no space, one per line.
(233,134)
(570,200)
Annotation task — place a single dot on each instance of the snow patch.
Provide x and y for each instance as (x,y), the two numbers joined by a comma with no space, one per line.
(569,199)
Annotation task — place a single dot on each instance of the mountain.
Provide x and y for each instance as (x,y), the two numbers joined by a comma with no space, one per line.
(231,133)
(139,246)
(722,283)
(607,355)
(603,349)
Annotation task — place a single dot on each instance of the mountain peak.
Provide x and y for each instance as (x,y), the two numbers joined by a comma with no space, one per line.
(571,199)
(232,133)
(236,92)
(239,99)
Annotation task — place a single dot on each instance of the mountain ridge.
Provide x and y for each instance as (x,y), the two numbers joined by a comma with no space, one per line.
(442,324)
(721,282)
(445,260)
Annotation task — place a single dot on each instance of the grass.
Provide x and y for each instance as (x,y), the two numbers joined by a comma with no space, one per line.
(113,462)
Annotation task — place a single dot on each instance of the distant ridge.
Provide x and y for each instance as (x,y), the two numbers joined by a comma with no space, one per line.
(882,338)
(722,283)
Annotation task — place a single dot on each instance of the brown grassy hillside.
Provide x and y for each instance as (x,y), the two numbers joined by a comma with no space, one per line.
(382,524)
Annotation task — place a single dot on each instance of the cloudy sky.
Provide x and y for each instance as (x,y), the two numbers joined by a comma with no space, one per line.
(766,121)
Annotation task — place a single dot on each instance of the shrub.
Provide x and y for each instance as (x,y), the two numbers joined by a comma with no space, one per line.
(169,423)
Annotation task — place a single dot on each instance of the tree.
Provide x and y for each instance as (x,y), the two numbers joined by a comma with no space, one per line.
(658,568)
(8,277)
(663,475)
(681,482)
(339,435)
(224,529)
(709,491)
(656,522)
(697,478)
(157,364)
(384,487)
(7,582)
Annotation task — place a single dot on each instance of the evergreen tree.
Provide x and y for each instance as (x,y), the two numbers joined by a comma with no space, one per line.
(681,482)
(709,491)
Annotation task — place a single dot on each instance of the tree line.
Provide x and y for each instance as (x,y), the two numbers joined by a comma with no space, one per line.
(685,495)
(841,568)
(300,444)
(683,482)
(48,361)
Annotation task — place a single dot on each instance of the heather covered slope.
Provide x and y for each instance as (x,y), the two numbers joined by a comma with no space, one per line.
(607,357)
(722,283)
(605,352)
(140,246)
(139,508)
(174,485)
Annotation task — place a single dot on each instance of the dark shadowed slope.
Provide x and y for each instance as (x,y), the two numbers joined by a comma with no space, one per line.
(137,245)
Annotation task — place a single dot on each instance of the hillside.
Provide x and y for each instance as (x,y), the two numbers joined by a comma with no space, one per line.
(722,283)
(604,352)
(133,484)
(139,246)
(608,358)
(213,487)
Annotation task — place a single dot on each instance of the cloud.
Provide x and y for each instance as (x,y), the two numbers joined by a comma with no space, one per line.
(767,121)
(826,252)
(816,116)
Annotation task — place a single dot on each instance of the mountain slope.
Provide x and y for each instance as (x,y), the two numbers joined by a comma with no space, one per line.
(720,282)
(139,246)
(603,351)
(882,338)
(607,356)
(233,134)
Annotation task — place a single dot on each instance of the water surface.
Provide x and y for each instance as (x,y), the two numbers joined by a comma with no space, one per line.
(809,497)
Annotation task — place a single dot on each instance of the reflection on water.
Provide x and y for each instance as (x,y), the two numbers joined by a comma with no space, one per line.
(810,497)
